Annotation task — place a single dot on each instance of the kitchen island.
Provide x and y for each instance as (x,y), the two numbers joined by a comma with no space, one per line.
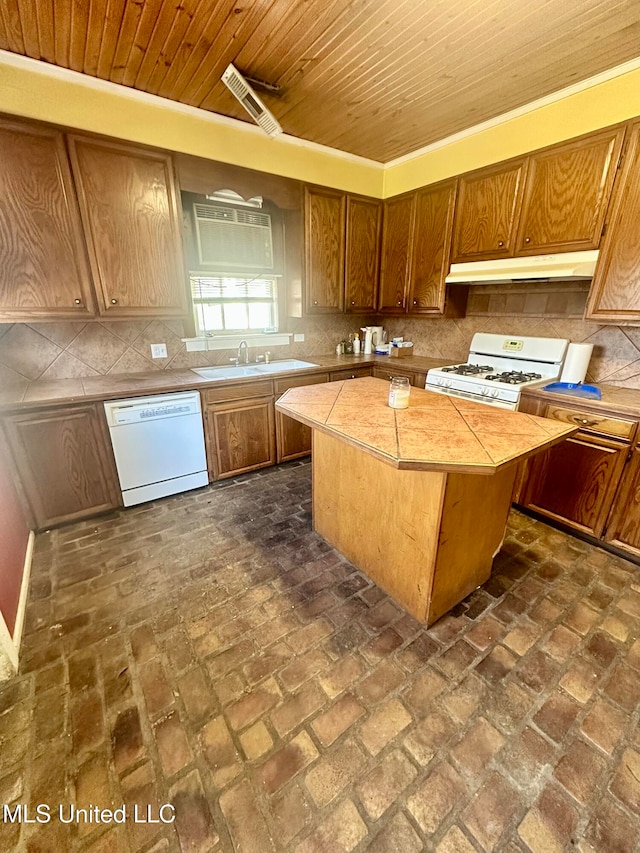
(416,498)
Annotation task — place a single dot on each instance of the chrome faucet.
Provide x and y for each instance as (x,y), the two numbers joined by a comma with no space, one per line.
(243,352)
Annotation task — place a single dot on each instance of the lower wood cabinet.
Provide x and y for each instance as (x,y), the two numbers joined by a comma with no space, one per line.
(576,481)
(293,439)
(623,526)
(240,429)
(64,462)
(416,378)
(350,373)
(591,481)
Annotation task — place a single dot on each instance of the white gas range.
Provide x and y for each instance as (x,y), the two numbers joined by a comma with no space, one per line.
(499,367)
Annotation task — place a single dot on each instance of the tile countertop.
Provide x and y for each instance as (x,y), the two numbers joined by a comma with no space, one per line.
(63,391)
(623,401)
(436,432)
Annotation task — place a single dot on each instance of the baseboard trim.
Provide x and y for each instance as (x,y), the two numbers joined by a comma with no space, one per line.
(10,645)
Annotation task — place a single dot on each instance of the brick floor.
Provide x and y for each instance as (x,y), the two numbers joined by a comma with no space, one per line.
(210,653)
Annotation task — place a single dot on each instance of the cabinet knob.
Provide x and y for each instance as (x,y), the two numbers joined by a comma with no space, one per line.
(353,301)
(415,301)
(114,301)
(315,301)
(77,301)
(399,301)
(501,243)
(527,239)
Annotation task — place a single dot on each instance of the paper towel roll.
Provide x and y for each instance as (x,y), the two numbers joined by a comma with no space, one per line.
(576,363)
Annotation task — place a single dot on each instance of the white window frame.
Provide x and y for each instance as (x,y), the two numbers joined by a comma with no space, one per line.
(243,298)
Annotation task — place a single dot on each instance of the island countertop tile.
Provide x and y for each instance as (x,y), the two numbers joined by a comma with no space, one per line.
(435,433)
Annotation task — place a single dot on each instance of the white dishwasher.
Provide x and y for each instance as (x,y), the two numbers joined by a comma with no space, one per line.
(158,444)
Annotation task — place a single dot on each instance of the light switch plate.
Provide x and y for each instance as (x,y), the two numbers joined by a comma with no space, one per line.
(158,350)
(298,339)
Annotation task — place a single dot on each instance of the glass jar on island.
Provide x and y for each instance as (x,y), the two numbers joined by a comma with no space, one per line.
(399,392)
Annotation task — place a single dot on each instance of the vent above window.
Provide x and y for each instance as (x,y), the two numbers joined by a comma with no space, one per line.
(230,239)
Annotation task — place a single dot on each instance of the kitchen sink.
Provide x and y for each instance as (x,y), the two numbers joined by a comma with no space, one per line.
(285,364)
(237,371)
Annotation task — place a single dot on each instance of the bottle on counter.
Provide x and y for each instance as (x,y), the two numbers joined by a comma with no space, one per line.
(356,344)
(399,392)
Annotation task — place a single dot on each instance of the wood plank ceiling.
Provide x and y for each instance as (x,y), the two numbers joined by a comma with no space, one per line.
(378,78)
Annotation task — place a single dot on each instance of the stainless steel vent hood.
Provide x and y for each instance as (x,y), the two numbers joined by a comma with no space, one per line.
(567,266)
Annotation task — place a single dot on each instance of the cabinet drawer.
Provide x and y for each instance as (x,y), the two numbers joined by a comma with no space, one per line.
(388,373)
(351,373)
(282,385)
(262,388)
(591,422)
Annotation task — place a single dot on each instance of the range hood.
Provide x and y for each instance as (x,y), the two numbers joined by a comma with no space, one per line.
(567,266)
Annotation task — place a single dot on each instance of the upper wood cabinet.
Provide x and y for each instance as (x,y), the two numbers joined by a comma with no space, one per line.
(132,226)
(324,212)
(615,291)
(416,244)
(431,248)
(362,262)
(397,239)
(567,192)
(44,272)
(554,200)
(487,212)
(342,250)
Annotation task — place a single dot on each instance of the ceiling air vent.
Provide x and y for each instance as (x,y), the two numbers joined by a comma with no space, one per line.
(238,86)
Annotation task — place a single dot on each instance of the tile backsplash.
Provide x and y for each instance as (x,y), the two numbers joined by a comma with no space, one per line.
(70,350)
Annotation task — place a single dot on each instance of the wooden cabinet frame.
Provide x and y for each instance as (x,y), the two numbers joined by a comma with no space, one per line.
(44,269)
(134,239)
(64,462)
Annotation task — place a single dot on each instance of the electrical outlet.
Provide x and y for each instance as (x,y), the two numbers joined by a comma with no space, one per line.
(158,350)
(298,339)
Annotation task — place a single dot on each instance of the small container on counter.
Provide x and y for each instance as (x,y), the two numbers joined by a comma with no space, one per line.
(399,392)
(356,344)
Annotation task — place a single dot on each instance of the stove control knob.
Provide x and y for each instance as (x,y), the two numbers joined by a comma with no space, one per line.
(439,381)
(495,393)
(448,384)
(484,392)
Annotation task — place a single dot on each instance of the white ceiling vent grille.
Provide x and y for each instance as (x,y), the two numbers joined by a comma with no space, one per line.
(238,86)
(231,239)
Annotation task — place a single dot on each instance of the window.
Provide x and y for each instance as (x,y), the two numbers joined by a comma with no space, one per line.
(234,304)
(236,262)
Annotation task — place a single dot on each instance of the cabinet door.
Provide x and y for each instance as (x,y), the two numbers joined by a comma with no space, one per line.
(241,437)
(293,439)
(615,290)
(133,230)
(395,267)
(44,273)
(324,250)
(364,220)
(487,211)
(623,526)
(64,461)
(567,192)
(575,481)
(431,248)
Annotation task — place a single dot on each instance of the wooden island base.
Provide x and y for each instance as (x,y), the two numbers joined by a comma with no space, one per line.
(428,538)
